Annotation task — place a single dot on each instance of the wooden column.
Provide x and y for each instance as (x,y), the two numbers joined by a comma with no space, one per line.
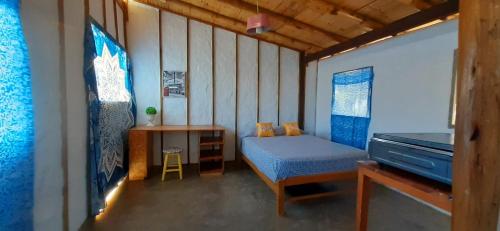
(476,176)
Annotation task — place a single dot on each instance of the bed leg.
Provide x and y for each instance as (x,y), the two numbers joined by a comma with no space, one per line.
(280,199)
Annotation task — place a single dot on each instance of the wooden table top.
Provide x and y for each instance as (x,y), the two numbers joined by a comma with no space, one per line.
(179,128)
(438,194)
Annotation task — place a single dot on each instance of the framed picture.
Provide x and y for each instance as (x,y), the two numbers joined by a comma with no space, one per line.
(174,84)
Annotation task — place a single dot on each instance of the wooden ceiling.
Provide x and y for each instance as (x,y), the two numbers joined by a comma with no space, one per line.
(305,25)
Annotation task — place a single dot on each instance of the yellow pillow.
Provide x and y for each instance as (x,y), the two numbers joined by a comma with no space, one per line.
(265,130)
(292,129)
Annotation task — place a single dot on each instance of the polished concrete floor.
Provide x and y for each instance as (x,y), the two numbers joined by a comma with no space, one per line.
(239,200)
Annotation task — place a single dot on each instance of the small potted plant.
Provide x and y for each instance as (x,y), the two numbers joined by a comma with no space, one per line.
(151,113)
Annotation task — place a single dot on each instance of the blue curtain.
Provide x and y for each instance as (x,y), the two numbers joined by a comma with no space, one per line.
(16,123)
(111,111)
(351,106)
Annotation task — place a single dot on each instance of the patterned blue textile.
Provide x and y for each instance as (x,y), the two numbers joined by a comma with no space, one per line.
(351,106)
(16,123)
(281,157)
(111,111)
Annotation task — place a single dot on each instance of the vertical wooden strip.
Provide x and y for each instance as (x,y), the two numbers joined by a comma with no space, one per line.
(476,178)
(279,82)
(86,9)
(236,151)
(302,88)
(258,80)
(116,21)
(124,21)
(64,109)
(213,75)
(188,77)
(104,14)
(160,45)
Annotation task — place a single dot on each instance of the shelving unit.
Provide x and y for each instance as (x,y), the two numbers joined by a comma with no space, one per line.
(211,155)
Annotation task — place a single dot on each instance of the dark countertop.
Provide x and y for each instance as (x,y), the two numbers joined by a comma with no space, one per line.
(442,141)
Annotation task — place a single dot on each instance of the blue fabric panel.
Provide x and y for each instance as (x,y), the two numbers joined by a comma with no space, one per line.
(16,123)
(281,157)
(351,106)
(112,111)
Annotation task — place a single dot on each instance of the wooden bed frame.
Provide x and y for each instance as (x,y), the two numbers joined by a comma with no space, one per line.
(279,187)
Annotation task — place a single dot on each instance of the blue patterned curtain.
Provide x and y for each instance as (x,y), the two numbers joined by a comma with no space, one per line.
(351,106)
(16,123)
(111,111)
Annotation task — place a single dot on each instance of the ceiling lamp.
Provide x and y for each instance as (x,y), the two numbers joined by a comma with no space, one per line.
(259,23)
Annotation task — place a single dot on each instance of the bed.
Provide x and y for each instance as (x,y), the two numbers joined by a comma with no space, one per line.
(283,161)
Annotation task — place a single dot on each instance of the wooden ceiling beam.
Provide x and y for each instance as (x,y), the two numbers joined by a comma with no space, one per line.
(214,19)
(203,7)
(285,19)
(436,12)
(419,4)
(365,21)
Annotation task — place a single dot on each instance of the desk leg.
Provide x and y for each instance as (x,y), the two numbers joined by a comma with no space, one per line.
(139,150)
(363,199)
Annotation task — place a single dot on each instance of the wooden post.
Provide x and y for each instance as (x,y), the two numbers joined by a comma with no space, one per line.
(363,200)
(476,164)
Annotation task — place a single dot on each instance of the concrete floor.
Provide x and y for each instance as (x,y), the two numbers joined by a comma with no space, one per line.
(239,200)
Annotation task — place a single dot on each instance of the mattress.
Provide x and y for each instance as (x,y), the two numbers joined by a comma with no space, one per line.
(281,157)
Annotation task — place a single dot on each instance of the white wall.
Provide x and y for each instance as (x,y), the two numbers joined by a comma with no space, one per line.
(222,78)
(225,87)
(310,97)
(268,83)
(412,83)
(58,95)
(40,20)
(76,95)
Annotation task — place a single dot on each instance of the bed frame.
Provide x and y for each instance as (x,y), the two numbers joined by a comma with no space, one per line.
(279,187)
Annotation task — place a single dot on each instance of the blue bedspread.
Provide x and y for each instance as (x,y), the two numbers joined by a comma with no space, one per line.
(281,157)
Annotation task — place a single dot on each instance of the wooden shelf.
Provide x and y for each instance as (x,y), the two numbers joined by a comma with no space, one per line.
(211,155)
(209,141)
(212,168)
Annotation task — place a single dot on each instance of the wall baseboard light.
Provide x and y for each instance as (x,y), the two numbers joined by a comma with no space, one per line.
(111,199)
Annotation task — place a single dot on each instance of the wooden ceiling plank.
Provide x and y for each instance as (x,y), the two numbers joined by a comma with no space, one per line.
(364,20)
(205,6)
(202,15)
(285,19)
(419,4)
(436,12)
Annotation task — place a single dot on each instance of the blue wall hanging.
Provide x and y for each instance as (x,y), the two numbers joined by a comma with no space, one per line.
(351,106)
(16,123)
(111,111)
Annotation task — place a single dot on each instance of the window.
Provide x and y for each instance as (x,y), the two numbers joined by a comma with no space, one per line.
(351,106)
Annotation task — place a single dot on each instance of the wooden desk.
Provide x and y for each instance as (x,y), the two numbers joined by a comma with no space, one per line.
(140,146)
(434,193)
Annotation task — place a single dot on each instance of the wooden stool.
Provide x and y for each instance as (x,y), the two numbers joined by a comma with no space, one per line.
(172,152)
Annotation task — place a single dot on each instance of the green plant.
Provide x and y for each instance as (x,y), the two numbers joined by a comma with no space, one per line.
(151,111)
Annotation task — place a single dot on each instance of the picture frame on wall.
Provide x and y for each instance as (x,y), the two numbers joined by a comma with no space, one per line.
(174,84)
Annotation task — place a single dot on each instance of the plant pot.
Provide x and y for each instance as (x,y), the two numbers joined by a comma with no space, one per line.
(151,120)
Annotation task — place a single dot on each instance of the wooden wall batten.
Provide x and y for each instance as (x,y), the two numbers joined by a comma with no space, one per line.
(476,178)
(279,81)
(302,88)
(116,21)
(236,152)
(104,13)
(188,77)
(258,80)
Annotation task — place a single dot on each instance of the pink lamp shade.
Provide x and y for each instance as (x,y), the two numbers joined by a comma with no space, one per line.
(258,24)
